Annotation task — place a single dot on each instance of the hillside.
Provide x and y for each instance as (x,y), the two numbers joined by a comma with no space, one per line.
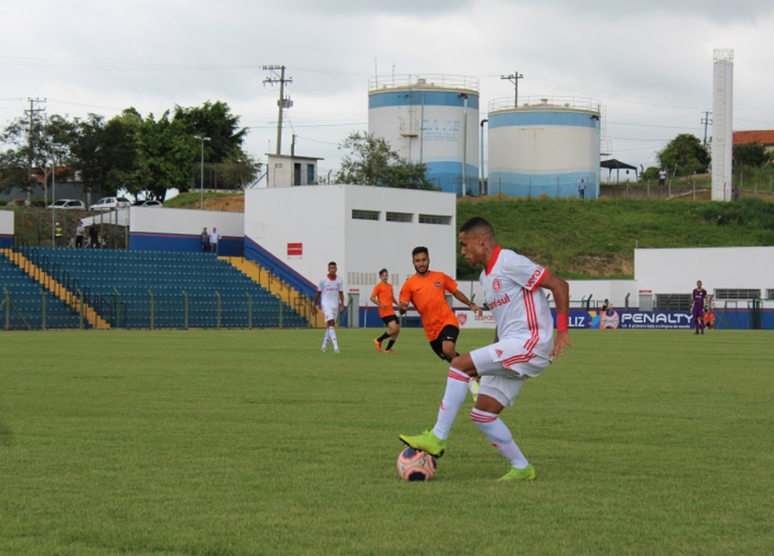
(588,240)
(575,239)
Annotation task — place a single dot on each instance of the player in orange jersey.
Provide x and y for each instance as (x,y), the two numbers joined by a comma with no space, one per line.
(426,290)
(384,298)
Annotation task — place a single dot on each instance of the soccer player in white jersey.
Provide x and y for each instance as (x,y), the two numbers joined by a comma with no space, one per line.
(514,291)
(330,294)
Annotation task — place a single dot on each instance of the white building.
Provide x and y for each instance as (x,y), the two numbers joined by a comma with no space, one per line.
(361,228)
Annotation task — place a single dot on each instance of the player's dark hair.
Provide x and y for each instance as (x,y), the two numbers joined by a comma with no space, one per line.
(333,263)
(383,271)
(477,224)
(418,250)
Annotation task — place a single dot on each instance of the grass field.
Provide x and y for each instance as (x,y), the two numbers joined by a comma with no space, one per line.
(254,442)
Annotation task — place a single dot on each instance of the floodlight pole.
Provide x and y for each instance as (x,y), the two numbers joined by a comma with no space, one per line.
(201,182)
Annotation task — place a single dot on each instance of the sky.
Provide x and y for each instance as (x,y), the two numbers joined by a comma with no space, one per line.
(649,63)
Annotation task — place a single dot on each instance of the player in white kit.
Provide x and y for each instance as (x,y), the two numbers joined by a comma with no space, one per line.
(330,294)
(513,287)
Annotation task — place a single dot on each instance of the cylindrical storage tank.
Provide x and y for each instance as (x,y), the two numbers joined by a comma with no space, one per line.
(432,119)
(544,147)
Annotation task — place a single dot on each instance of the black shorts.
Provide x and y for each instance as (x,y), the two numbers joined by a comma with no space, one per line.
(448,334)
(389,318)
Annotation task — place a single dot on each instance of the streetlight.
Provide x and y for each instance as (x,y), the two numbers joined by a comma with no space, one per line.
(201,183)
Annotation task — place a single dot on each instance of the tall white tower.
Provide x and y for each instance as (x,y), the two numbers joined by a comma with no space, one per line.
(722,126)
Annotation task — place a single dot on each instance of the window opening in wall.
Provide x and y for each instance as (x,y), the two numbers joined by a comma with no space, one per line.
(358,214)
(399,217)
(435,219)
(738,293)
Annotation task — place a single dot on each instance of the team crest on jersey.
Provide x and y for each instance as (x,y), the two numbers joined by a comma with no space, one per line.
(437,284)
(462,318)
(497,285)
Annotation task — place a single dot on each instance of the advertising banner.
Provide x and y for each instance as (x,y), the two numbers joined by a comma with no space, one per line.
(630,319)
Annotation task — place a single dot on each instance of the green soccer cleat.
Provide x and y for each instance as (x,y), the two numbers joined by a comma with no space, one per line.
(526,474)
(425,442)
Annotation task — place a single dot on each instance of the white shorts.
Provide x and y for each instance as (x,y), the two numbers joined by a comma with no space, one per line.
(504,368)
(330,313)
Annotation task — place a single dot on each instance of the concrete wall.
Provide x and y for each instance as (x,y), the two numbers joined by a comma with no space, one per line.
(168,229)
(318,220)
(6,228)
(677,270)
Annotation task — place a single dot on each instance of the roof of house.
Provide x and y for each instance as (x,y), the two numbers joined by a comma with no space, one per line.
(764,137)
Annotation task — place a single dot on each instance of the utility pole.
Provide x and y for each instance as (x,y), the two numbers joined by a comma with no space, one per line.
(706,121)
(283,102)
(514,78)
(32,111)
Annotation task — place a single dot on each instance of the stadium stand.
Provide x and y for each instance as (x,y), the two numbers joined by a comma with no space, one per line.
(153,289)
(22,300)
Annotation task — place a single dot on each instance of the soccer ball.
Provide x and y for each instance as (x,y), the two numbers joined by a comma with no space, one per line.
(414,465)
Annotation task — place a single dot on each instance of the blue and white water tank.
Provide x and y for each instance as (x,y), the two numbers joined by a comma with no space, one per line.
(544,146)
(432,119)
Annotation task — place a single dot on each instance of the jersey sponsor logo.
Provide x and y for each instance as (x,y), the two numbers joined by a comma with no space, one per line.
(534,278)
(497,285)
(499,301)
(462,318)
(499,352)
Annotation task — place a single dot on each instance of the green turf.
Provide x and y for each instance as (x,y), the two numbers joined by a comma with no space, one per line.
(254,442)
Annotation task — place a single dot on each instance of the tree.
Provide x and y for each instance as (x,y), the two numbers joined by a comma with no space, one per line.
(752,154)
(372,162)
(35,149)
(213,120)
(685,155)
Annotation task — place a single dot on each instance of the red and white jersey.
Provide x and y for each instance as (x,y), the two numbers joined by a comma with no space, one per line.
(512,290)
(329,289)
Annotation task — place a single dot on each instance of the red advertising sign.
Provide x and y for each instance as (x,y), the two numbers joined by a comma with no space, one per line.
(295,249)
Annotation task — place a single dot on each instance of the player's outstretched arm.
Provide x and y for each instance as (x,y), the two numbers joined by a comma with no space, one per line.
(560,289)
(464,299)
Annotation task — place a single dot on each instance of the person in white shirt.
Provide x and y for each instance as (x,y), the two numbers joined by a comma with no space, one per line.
(330,294)
(582,189)
(662,176)
(524,346)
(214,238)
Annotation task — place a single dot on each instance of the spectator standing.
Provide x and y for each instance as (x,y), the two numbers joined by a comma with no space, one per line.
(214,239)
(737,193)
(93,236)
(662,176)
(582,189)
(59,235)
(80,234)
(205,240)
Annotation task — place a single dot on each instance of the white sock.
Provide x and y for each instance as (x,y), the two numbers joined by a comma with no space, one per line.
(456,390)
(325,339)
(332,336)
(500,436)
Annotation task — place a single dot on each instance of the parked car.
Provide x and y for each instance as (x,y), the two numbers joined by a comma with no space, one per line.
(17,203)
(109,203)
(67,204)
(149,203)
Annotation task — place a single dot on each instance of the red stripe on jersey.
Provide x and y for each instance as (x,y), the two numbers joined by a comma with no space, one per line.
(480,418)
(532,320)
(493,259)
(456,376)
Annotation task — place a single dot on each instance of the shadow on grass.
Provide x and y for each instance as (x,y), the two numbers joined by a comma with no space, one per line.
(6,436)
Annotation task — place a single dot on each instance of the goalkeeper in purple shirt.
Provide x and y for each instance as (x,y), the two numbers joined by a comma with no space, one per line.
(699,296)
